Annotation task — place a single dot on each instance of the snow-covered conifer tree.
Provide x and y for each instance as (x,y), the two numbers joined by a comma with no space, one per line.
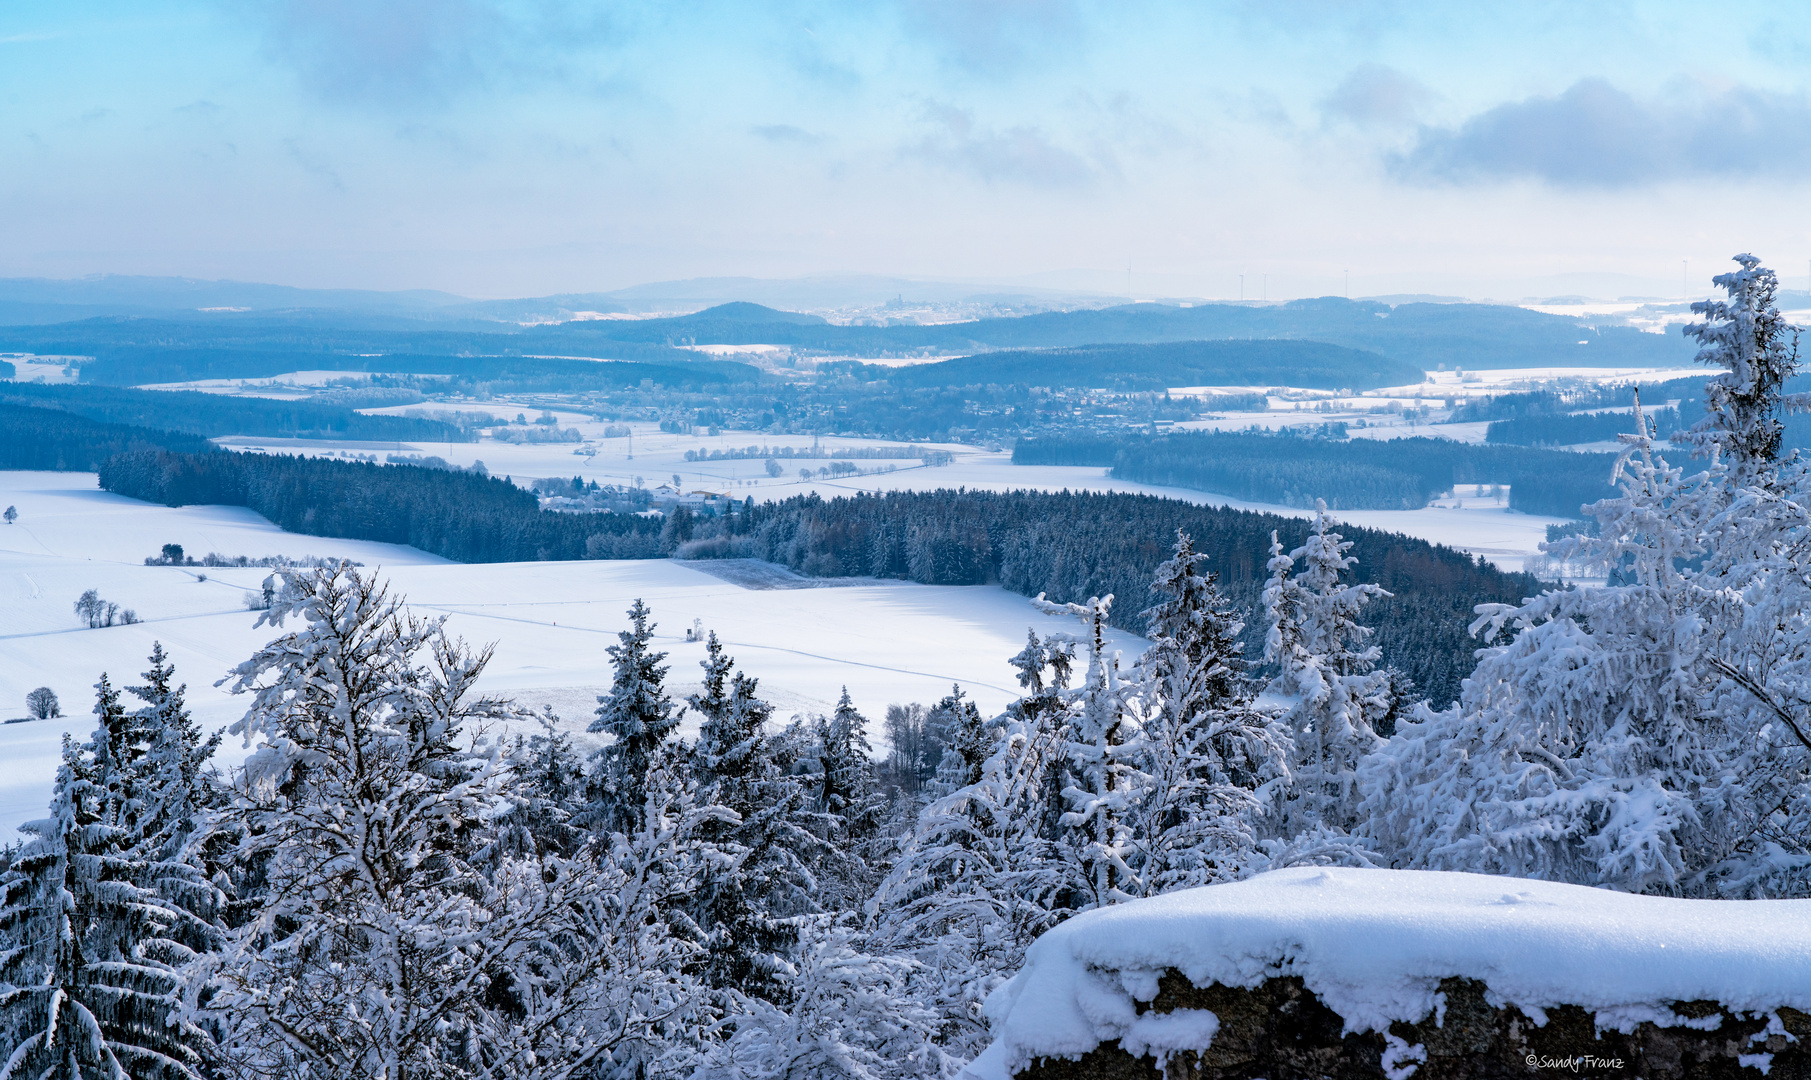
(47,1007)
(764,842)
(1649,734)
(1209,756)
(639,716)
(175,759)
(1044,707)
(1103,748)
(845,783)
(119,744)
(845,792)
(988,868)
(966,742)
(379,939)
(1748,337)
(91,972)
(552,770)
(1324,674)
(1042,694)
(552,781)
(851,1017)
(978,881)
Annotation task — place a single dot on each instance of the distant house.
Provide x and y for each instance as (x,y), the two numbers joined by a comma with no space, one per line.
(668,495)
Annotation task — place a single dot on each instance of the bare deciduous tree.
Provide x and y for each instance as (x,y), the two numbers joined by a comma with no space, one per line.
(42,703)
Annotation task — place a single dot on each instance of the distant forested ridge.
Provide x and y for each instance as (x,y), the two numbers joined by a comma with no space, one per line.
(1356,474)
(461,516)
(1074,545)
(62,442)
(1264,362)
(197,413)
(132,366)
(1424,336)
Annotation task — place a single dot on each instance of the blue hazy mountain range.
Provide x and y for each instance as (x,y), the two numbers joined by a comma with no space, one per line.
(229,330)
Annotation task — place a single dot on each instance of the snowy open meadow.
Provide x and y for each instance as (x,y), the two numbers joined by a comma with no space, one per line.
(887,641)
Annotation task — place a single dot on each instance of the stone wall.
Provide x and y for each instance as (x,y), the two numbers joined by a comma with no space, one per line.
(1280,1031)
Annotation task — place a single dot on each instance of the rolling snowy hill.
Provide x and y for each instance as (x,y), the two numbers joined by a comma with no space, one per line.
(886,641)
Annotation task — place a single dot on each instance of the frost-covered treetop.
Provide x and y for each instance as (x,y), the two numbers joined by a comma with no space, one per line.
(1748,337)
(1374,945)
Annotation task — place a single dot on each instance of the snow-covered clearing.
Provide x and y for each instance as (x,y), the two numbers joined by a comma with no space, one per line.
(887,641)
(1374,945)
(28,367)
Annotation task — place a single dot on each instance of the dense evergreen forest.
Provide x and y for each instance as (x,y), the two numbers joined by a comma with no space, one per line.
(1566,417)
(1072,546)
(1159,366)
(1359,474)
(463,516)
(197,413)
(1577,428)
(58,441)
(1565,402)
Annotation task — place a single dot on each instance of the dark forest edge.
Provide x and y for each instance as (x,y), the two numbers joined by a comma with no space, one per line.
(1359,474)
(193,412)
(1070,546)
(457,515)
(46,439)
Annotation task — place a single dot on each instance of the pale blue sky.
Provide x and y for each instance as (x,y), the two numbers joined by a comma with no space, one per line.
(496,148)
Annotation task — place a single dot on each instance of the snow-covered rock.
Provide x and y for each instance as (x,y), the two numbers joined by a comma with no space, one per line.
(1374,946)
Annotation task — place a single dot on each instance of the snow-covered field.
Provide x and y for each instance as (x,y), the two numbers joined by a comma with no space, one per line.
(887,641)
(44,369)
